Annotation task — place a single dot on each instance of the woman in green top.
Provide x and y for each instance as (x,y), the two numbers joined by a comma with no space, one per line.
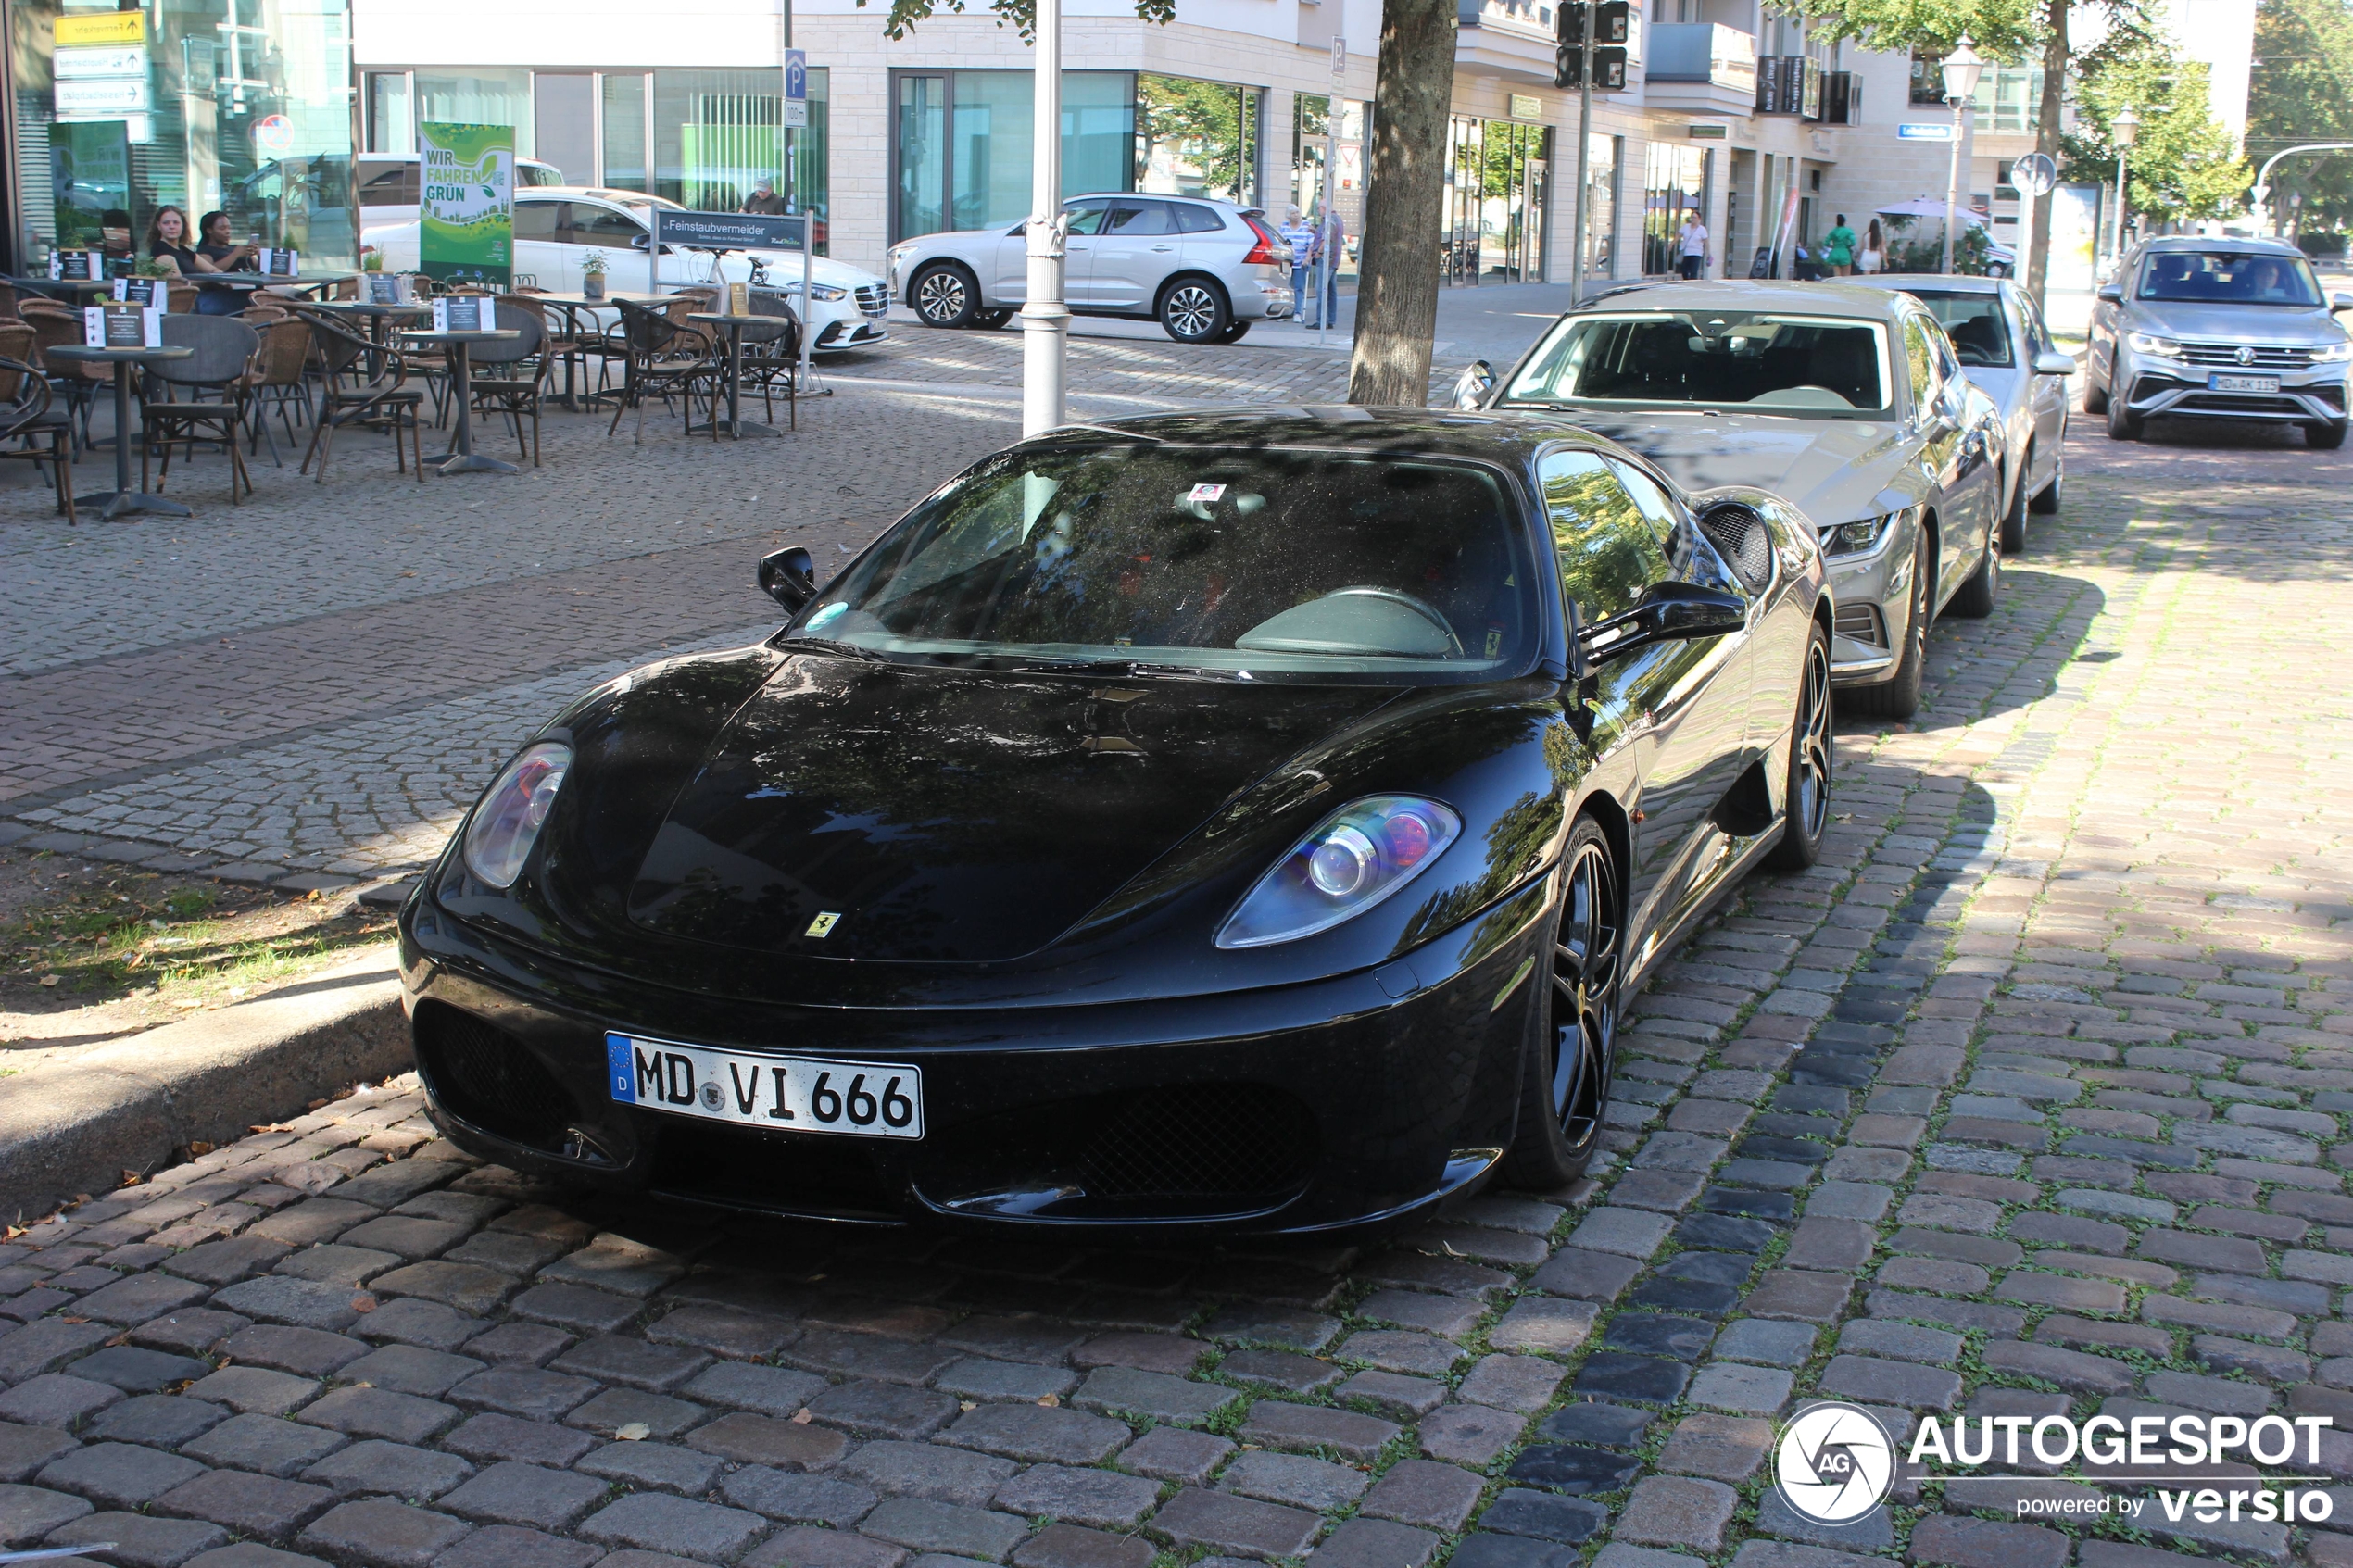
(1838,249)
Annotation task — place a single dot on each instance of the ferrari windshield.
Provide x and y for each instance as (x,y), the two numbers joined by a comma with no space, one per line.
(1257,563)
(1762,362)
(2219,277)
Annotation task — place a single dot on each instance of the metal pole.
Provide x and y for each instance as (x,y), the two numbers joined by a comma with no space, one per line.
(1584,176)
(1327,296)
(1045,320)
(808,249)
(1953,185)
(2116,251)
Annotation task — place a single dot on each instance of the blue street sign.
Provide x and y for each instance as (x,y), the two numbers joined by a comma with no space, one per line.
(796,75)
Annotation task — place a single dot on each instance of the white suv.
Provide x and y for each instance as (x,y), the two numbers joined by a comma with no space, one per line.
(1206,271)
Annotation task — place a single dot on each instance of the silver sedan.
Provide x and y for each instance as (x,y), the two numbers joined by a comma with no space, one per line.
(1207,270)
(1998,337)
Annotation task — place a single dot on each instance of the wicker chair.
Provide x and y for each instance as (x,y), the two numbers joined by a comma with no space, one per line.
(665,357)
(60,326)
(26,415)
(507,378)
(771,356)
(7,299)
(279,379)
(223,367)
(383,400)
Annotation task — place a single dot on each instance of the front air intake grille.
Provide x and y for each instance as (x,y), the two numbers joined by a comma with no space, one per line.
(1861,623)
(1739,536)
(480,1073)
(2256,355)
(874,301)
(1200,1140)
(781,1172)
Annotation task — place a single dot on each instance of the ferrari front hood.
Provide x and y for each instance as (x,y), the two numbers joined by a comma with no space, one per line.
(854,809)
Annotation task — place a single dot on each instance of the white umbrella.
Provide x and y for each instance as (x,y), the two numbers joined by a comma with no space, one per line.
(1929,206)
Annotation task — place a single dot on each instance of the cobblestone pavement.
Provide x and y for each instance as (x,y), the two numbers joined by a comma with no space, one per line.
(2029,1099)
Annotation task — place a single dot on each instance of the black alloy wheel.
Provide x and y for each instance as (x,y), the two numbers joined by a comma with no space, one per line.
(1566,1087)
(943,296)
(1194,310)
(1898,696)
(1805,801)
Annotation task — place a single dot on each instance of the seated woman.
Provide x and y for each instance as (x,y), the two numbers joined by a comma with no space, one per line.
(224,254)
(168,240)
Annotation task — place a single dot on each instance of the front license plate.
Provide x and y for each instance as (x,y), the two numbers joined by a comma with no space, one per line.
(784,1094)
(2218,382)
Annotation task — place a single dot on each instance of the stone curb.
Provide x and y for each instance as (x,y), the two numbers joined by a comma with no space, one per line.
(76,1126)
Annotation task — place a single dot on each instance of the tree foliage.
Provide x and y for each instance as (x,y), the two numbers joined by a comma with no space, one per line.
(1021,15)
(2182,165)
(2302,92)
(2002,30)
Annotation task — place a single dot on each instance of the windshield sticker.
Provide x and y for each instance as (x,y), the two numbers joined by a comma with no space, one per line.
(1207,493)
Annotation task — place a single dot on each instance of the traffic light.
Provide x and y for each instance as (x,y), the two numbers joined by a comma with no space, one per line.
(1609,68)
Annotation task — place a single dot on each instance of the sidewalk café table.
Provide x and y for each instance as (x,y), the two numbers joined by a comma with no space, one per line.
(253,282)
(123,498)
(734,424)
(70,289)
(576,306)
(375,315)
(461,457)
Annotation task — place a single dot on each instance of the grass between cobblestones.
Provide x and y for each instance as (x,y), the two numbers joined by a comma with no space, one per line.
(2029,1098)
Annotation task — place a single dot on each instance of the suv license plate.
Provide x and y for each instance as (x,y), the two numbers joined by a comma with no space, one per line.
(2220,382)
(780,1094)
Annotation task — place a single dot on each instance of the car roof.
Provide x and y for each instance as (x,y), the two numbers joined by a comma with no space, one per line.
(1507,437)
(1814,299)
(1218,202)
(596,193)
(2226,243)
(1944,283)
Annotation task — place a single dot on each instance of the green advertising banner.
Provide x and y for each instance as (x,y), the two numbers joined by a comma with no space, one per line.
(466,203)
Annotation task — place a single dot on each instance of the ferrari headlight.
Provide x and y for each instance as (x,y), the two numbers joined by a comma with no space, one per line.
(2333,353)
(1357,857)
(1856,538)
(2150,344)
(507,823)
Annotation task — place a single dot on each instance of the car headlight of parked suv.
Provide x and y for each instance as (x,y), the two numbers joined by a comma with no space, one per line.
(1856,538)
(2150,344)
(2333,353)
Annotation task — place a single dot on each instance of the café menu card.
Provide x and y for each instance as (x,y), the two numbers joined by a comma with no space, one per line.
(122,326)
(77,264)
(279,263)
(141,292)
(465,313)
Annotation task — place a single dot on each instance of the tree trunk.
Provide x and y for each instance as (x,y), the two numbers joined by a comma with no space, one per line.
(1405,195)
(2046,140)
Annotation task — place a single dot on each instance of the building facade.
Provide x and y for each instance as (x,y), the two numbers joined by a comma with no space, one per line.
(120,108)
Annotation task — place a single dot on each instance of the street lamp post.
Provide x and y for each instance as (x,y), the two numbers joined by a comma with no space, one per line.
(1045,319)
(1962,68)
(2125,129)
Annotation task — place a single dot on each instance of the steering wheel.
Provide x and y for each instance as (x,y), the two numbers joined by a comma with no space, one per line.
(1454,643)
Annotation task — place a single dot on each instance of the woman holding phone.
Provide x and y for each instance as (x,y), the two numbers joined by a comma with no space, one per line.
(223,254)
(168,240)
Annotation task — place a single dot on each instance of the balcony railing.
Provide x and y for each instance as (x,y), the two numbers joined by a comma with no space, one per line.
(1701,52)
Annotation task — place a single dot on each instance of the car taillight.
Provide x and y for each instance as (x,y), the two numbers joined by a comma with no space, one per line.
(1263,254)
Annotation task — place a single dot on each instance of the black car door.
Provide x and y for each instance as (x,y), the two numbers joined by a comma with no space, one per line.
(1682,705)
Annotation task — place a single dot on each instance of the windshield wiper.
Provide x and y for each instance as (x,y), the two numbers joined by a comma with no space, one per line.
(834,645)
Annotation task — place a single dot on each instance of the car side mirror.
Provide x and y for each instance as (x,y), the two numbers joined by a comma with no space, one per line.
(1668,612)
(2112,293)
(1472,385)
(2051,362)
(2340,301)
(789,577)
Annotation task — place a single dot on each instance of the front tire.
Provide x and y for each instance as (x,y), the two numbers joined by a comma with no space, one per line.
(2095,392)
(1235,334)
(2046,501)
(1898,696)
(1983,590)
(2324,437)
(1565,1084)
(1194,310)
(2122,424)
(944,294)
(1805,798)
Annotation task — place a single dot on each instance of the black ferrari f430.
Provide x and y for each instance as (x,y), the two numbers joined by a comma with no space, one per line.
(1227,822)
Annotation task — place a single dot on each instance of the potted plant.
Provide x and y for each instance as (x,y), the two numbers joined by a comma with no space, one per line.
(371,259)
(592,274)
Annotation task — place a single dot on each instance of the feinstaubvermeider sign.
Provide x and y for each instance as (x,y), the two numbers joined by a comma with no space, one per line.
(466,202)
(729,230)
